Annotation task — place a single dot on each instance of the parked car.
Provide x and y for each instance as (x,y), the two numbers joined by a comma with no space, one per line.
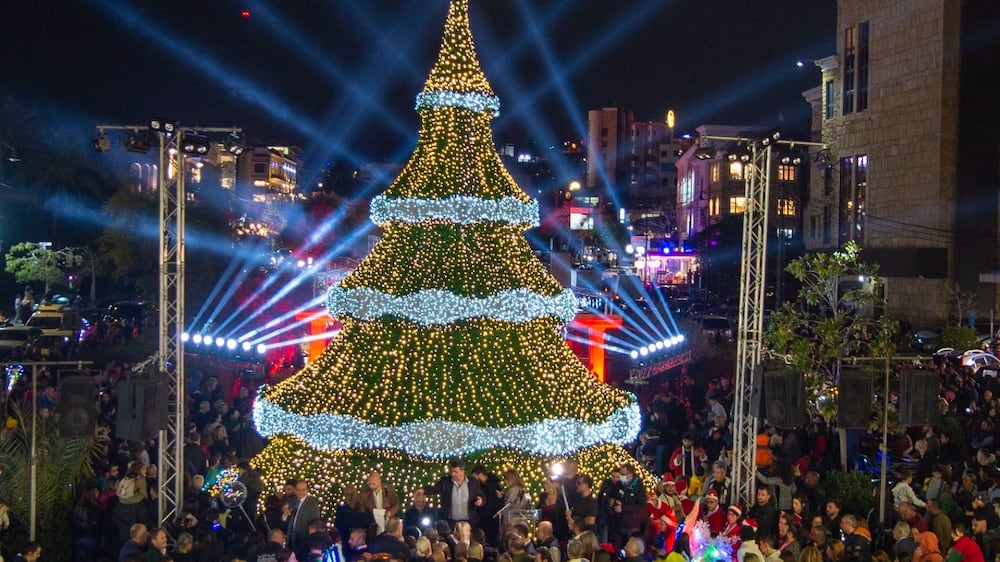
(716,328)
(925,340)
(14,338)
(978,360)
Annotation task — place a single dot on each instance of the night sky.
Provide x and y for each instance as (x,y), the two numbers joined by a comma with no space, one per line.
(338,77)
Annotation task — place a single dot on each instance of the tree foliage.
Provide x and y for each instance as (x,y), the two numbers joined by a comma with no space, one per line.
(30,262)
(65,467)
(837,315)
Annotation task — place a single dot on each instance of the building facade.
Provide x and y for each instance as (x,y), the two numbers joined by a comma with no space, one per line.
(911,172)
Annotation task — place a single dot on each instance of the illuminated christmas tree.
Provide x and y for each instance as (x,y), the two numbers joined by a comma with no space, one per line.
(450,345)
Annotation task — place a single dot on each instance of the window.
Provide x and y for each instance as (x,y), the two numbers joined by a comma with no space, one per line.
(813,227)
(736,170)
(853,195)
(850,55)
(716,171)
(737,205)
(863,66)
(829,100)
(786,207)
(714,207)
(786,172)
(785,233)
(856,48)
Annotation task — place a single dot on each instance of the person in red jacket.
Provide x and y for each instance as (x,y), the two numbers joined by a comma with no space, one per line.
(686,458)
(963,545)
(713,514)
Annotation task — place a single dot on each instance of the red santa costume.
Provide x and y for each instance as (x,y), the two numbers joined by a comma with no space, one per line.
(662,520)
(731,530)
(714,515)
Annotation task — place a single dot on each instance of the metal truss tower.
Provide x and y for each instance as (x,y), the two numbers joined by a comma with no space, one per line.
(750,330)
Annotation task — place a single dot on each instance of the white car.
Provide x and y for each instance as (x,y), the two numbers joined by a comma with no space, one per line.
(979,360)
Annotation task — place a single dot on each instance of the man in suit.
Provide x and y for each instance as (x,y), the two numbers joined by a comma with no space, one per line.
(391,541)
(306,509)
(460,496)
(379,501)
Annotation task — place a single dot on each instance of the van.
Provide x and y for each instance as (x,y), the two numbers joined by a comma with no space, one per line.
(57,320)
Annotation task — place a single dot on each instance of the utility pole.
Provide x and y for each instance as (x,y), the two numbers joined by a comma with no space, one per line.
(750,330)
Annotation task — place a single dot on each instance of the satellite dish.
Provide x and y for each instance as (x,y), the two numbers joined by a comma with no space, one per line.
(233,495)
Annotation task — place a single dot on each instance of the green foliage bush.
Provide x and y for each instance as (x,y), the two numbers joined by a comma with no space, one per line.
(959,337)
(853,489)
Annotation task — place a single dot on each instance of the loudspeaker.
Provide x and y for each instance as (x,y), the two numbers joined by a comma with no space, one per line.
(77,407)
(856,392)
(785,398)
(142,409)
(918,397)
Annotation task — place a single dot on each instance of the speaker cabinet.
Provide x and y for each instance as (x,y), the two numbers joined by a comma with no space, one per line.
(142,409)
(785,398)
(77,407)
(918,397)
(856,393)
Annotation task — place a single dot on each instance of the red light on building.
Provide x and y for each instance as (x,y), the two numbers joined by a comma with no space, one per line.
(245,14)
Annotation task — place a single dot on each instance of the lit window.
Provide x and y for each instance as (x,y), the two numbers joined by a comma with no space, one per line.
(737,205)
(736,170)
(786,233)
(786,207)
(716,171)
(786,173)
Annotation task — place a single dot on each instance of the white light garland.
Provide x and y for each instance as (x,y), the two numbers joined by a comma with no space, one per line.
(457,209)
(443,439)
(474,101)
(437,306)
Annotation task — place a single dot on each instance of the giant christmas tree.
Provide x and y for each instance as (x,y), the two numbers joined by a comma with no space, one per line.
(450,344)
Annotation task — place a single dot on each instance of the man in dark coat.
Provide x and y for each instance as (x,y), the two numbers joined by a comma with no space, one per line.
(391,541)
(306,509)
(461,497)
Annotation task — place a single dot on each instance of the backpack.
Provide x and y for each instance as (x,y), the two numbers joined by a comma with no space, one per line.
(127,489)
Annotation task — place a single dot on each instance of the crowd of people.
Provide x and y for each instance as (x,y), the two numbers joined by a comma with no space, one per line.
(941,503)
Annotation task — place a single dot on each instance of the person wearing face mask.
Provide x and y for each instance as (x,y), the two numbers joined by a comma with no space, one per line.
(628,509)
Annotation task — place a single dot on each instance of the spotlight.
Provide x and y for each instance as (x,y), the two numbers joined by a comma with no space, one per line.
(220,342)
(705,153)
(659,346)
(197,339)
(772,137)
(102,143)
(195,144)
(163,125)
(231,344)
(234,145)
(740,153)
(261,349)
(644,351)
(185,336)
(634,354)
(139,142)
(208,340)
(247,346)
(791,159)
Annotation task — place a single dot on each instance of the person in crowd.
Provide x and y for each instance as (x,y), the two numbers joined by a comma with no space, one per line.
(629,507)
(30,552)
(420,514)
(789,534)
(460,497)
(583,512)
(903,491)
(857,547)
(904,544)
(157,551)
(306,509)
(763,512)
(136,544)
(910,514)
(966,549)
(939,524)
(713,514)
(927,548)
(391,540)
(687,457)
(719,482)
(379,500)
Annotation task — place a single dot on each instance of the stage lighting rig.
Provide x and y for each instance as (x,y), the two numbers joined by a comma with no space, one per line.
(163,125)
(234,144)
(101,142)
(195,144)
(139,142)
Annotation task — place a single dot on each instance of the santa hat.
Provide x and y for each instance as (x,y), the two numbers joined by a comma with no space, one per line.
(752,523)
(735,508)
(712,493)
(667,480)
